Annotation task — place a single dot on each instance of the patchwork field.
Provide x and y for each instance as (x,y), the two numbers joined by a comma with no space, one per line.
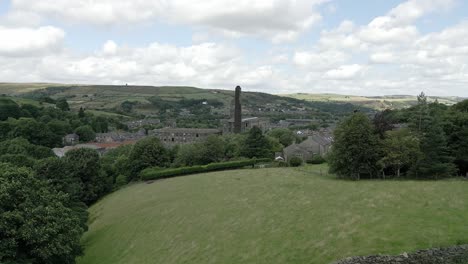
(374,102)
(283,215)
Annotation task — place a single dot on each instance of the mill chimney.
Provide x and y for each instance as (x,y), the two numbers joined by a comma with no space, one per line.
(237,111)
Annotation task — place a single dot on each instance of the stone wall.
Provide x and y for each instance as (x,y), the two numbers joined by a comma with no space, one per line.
(451,255)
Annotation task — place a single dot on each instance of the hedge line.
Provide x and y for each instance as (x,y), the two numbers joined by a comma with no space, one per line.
(157,173)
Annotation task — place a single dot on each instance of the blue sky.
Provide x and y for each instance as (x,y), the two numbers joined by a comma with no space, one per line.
(282,46)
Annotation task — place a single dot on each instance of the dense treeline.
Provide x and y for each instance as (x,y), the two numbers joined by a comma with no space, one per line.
(46,125)
(426,141)
(43,199)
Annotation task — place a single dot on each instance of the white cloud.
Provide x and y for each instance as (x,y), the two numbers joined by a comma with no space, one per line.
(344,72)
(319,60)
(29,41)
(109,48)
(279,20)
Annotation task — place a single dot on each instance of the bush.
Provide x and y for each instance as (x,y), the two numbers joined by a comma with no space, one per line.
(157,173)
(295,162)
(317,159)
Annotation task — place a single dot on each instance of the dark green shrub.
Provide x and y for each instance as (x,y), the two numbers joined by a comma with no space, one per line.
(317,159)
(295,162)
(157,173)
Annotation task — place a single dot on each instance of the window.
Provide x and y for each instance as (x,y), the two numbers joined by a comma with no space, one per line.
(173,139)
(196,135)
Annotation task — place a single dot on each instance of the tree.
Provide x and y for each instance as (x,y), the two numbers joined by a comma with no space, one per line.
(148,152)
(256,145)
(401,149)
(35,132)
(81,113)
(21,146)
(86,133)
(285,136)
(85,166)
(35,226)
(8,108)
(356,148)
(382,123)
(62,104)
(436,161)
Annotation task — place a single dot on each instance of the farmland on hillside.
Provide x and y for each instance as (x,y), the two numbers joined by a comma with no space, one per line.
(374,102)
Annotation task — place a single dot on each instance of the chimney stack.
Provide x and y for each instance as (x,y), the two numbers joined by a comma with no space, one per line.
(237,111)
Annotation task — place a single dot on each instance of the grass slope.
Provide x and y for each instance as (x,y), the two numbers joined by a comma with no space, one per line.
(279,215)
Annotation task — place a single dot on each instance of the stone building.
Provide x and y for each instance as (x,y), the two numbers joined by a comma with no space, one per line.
(120,136)
(176,136)
(246,125)
(312,146)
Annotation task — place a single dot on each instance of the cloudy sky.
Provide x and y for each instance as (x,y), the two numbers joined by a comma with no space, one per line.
(364,47)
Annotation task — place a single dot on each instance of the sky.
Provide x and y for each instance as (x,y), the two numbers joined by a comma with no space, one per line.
(355,47)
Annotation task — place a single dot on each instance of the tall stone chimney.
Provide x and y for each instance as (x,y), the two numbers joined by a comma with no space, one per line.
(237,111)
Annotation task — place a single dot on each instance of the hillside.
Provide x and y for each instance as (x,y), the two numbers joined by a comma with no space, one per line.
(172,102)
(374,102)
(272,216)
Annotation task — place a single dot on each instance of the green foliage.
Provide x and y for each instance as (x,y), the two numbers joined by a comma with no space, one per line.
(8,108)
(35,226)
(295,162)
(285,136)
(86,133)
(316,159)
(356,148)
(20,146)
(35,132)
(59,127)
(85,166)
(148,152)
(18,160)
(401,149)
(62,104)
(256,145)
(158,173)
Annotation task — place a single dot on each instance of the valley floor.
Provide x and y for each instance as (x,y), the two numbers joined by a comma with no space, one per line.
(281,215)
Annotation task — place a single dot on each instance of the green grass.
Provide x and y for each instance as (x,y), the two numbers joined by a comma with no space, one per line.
(280,215)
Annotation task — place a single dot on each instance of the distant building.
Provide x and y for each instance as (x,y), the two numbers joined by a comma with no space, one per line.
(120,136)
(176,136)
(71,139)
(296,122)
(312,146)
(246,125)
(143,122)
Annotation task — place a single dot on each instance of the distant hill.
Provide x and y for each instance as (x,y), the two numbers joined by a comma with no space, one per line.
(147,99)
(374,102)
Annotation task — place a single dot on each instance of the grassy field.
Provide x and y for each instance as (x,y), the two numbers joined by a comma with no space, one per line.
(283,215)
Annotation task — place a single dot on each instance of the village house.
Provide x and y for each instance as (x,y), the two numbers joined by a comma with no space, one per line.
(176,136)
(312,146)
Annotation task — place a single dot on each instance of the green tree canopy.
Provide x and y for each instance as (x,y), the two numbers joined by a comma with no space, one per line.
(256,145)
(356,148)
(148,152)
(35,226)
(8,108)
(86,133)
